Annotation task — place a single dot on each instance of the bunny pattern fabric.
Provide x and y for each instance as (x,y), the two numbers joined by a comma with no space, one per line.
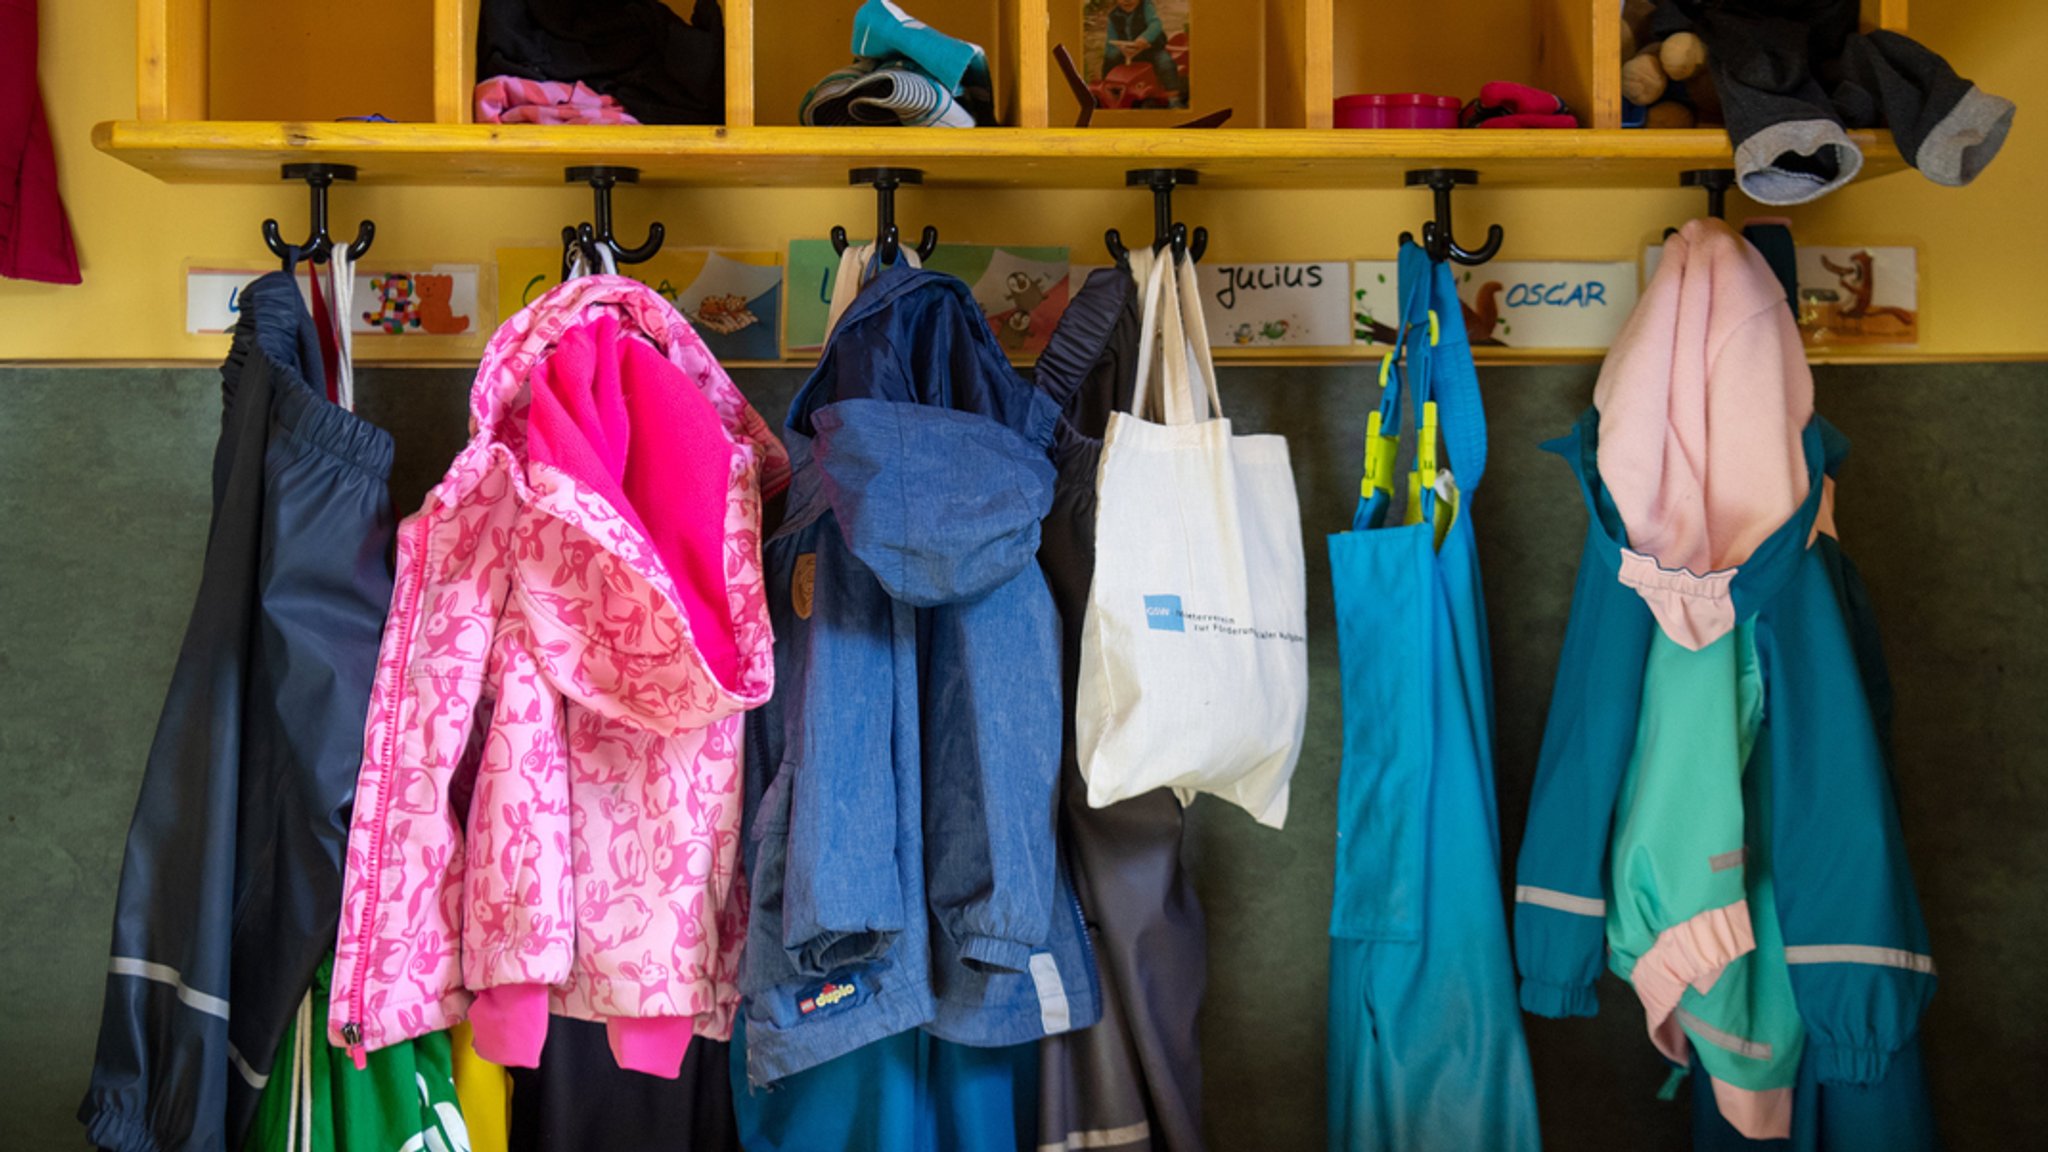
(547,817)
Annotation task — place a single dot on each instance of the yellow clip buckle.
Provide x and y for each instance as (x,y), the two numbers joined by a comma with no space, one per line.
(1379,459)
(1433,331)
(1425,444)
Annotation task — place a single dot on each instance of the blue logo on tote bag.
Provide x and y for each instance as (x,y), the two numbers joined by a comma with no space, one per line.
(1162,614)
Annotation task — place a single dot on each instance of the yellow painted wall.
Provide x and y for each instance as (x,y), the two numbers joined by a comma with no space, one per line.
(1980,246)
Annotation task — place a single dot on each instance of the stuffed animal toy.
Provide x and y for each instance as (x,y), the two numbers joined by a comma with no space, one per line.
(1669,77)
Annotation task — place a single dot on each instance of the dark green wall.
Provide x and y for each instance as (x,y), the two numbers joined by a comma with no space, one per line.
(103,489)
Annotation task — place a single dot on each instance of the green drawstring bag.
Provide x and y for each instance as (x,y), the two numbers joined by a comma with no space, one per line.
(317,1100)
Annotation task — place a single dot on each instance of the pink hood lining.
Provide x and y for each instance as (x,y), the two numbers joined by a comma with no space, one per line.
(625,679)
(1702,403)
(498,400)
(622,422)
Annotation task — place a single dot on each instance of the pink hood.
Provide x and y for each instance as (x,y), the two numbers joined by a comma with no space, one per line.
(1702,402)
(547,814)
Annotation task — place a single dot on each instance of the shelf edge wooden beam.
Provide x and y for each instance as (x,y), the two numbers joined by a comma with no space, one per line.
(250,152)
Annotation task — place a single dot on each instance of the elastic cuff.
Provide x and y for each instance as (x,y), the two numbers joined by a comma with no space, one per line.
(1690,954)
(650,1044)
(1796,161)
(1836,1064)
(821,956)
(511,1024)
(1559,1000)
(117,1131)
(995,954)
(1965,141)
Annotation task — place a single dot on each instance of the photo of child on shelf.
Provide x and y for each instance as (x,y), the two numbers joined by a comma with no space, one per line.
(1136,52)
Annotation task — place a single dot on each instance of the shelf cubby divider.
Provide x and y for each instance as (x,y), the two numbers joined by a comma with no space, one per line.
(171,53)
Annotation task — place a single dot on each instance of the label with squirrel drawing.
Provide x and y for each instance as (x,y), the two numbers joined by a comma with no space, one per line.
(1510,303)
(1850,296)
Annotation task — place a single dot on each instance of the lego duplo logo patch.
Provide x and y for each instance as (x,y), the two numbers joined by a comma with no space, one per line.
(1163,614)
(829,995)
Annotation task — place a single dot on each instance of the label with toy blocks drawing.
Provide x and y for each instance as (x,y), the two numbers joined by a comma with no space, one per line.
(425,299)
(438,301)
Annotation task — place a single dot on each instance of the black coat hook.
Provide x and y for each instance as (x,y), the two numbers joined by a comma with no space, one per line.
(1165,231)
(1717,182)
(319,245)
(1437,237)
(580,238)
(601,180)
(888,238)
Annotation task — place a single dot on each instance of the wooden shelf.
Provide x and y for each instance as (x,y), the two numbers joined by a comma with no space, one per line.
(1276,63)
(205,151)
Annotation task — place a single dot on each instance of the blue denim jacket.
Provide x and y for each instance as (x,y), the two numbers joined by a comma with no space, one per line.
(900,840)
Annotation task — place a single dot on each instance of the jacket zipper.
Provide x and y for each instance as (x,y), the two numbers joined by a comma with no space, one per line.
(1087,937)
(352,1032)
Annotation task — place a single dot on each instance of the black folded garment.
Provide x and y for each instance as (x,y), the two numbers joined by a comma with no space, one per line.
(1794,75)
(664,69)
(1946,126)
(580,1100)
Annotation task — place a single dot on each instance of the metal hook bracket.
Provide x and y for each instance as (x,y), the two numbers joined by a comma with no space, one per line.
(1437,238)
(888,237)
(319,245)
(602,178)
(1165,231)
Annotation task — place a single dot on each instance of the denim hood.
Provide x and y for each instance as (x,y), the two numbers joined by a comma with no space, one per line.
(932,451)
(918,337)
(942,506)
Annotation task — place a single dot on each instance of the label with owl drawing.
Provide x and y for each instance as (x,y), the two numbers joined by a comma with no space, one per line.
(423,299)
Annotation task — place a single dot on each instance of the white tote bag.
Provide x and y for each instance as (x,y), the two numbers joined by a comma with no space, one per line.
(1194,653)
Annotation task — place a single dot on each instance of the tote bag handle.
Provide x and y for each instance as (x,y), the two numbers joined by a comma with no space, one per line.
(1152,269)
(1196,326)
(1170,294)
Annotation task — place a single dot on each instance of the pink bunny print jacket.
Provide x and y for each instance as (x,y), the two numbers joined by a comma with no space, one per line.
(547,817)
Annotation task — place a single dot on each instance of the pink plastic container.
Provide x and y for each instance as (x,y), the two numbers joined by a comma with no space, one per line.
(1397,110)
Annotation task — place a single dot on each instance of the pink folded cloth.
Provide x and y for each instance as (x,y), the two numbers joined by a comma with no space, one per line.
(1505,105)
(1704,400)
(513,100)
